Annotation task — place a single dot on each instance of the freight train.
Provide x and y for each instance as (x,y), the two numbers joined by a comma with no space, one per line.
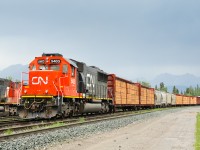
(57,86)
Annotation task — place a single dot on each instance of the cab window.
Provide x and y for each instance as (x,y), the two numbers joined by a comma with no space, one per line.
(32,67)
(73,71)
(55,67)
(65,69)
(43,67)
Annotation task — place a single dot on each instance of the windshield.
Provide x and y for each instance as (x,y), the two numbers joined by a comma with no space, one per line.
(46,67)
(55,67)
(43,67)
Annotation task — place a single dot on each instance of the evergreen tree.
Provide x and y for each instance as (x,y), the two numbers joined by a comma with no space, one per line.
(144,83)
(162,87)
(175,90)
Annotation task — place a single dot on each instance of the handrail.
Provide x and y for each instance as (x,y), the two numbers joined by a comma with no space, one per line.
(56,89)
(22,83)
(18,95)
(60,86)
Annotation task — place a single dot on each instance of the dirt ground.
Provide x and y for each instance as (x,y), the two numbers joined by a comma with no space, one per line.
(174,131)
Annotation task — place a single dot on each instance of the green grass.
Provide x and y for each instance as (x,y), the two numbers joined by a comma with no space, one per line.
(54,125)
(57,124)
(8,132)
(197,143)
(81,119)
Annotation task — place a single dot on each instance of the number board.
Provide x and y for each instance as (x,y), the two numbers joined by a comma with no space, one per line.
(55,61)
(41,61)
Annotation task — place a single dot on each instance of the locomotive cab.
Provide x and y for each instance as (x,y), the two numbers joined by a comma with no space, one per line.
(50,78)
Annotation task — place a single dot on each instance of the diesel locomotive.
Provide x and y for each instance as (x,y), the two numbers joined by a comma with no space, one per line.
(57,86)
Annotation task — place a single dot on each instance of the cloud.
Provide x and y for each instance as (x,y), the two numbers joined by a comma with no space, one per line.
(142,37)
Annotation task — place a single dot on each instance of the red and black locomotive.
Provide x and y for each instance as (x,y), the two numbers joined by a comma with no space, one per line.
(59,86)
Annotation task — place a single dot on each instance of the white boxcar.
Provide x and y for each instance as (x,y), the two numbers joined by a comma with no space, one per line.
(173,99)
(169,99)
(158,97)
(164,99)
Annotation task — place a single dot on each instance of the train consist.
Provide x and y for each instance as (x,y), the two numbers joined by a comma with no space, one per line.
(56,86)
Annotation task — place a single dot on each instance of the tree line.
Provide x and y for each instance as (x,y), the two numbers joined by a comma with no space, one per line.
(190,91)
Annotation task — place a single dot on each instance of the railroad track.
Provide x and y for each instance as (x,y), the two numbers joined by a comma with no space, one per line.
(7,122)
(28,129)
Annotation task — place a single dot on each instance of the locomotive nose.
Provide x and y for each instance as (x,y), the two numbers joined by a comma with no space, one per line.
(42,83)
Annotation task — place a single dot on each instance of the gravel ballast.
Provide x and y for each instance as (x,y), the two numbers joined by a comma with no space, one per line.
(43,140)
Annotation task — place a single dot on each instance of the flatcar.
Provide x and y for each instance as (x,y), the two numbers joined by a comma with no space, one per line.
(56,86)
(127,95)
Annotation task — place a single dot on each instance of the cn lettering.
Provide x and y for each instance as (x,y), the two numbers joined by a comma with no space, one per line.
(39,80)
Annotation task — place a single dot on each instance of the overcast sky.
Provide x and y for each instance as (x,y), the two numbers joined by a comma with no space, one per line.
(132,38)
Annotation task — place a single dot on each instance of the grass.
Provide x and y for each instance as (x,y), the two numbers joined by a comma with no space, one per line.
(56,124)
(197,143)
(81,119)
(8,132)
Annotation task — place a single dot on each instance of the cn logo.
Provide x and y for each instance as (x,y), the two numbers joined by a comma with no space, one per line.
(39,80)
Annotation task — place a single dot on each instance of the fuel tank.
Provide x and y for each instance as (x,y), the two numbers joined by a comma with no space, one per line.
(90,108)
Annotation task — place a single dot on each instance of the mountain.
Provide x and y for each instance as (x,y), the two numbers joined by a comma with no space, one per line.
(180,81)
(14,71)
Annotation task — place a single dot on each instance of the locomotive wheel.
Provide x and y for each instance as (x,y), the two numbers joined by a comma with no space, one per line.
(48,112)
(23,113)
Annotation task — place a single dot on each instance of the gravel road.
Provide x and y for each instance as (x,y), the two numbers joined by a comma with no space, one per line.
(169,131)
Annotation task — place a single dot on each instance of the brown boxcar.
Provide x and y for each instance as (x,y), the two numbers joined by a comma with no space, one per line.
(193,100)
(123,92)
(186,100)
(179,99)
(198,100)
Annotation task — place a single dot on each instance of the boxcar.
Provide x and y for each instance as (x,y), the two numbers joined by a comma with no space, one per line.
(193,100)
(173,99)
(179,99)
(169,99)
(158,98)
(198,100)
